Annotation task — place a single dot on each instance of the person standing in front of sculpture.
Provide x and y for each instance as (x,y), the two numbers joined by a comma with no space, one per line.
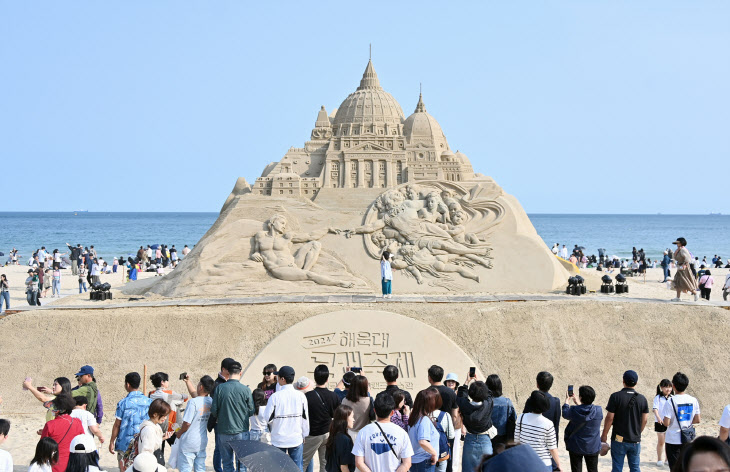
(386,274)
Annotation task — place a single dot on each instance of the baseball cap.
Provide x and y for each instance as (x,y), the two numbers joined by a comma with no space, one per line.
(85,370)
(82,444)
(302,383)
(145,462)
(285,371)
(631,377)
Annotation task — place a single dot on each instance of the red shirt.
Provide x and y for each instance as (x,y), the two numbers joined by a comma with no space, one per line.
(62,430)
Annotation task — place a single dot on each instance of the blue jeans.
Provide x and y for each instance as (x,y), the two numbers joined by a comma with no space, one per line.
(191,461)
(6,297)
(632,452)
(666,273)
(82,284)
(386,286)
(217,465)
(424,466)
(226,449)
(475,446)
(56,287)
(296,454)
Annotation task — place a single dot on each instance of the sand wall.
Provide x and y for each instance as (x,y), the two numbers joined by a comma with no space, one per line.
(581,343)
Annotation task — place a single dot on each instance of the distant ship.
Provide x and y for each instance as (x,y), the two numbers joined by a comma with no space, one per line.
(76,212)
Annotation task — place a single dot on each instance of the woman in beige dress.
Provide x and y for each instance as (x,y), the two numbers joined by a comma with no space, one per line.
(683,280)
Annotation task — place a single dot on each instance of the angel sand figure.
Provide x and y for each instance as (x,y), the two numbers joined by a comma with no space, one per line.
(399,225)
(274,249)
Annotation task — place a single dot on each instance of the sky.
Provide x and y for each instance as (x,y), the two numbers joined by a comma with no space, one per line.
(572,106)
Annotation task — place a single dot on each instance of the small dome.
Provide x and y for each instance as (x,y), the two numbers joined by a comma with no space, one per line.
(421,126)
(369,103)
(461,157)
(448,156)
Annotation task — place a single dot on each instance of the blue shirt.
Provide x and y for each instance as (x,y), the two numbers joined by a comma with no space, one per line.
(132,410)
(424,429)
(502,410)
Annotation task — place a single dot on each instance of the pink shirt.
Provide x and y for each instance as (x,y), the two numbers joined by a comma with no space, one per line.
(707,280)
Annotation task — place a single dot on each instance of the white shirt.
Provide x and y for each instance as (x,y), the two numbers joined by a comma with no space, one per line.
(6,461)
(539,433)
(35,467)
(687,406)
(289,425)
(258,421)
(658,405)
(725,419)
(196,414)
(86,418)
(373,448)
(150,436)
(94,269)
(564,253)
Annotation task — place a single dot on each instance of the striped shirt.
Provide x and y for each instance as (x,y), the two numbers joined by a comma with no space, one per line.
(537,432)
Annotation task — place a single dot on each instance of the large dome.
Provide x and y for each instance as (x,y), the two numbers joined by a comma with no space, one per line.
(369,103)
(422,127)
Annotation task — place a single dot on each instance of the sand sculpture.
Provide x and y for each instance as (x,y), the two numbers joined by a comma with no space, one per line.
(367,339)
(369,179)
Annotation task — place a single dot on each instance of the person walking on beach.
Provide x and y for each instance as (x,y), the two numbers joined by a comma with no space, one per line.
(684,280)
(626,413)
(386,274)
(705,284)
(31,288)
(5,293)
(666,262)
(726,287)
(56,282)
(82,277)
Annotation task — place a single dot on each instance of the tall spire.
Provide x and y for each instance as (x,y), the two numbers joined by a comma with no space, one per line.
(369,78)
(420,107)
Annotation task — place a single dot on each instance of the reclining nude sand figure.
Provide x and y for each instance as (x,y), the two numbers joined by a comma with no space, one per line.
(274,249)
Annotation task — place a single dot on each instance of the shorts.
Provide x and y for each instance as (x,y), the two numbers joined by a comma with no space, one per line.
(659,428)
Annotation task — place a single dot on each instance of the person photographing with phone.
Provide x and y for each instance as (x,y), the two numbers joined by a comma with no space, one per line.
(583,433)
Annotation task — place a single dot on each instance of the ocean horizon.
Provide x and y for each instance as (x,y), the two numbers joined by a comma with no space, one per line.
(121,233)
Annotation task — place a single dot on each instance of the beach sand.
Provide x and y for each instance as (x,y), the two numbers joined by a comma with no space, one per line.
(580,342)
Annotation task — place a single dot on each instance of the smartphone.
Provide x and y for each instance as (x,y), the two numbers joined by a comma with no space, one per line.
(27,379)
(570,390)
(183,375)
(472,372)
(356,369)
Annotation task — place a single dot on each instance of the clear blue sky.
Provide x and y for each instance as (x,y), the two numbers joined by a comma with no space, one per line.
(160,106)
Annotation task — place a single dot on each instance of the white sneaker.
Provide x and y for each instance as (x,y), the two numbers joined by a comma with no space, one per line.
(659,463)
(676,299)
(697,297)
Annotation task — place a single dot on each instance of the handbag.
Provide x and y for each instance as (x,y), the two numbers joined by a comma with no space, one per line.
(688,434)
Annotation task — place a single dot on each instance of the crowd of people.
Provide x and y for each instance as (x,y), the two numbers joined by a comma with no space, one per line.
(692,275)
(353,427)
(45,269)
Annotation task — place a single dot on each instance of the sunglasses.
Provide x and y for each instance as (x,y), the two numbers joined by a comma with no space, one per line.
(268,373)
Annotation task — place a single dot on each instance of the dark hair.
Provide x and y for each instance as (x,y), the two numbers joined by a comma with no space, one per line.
(385,256)
(398,396)
(321,374)
(158,378)
(586,394)
(133,379)
(289,378)
(680,381)
(338,425)
(358,389)
(235,368)
(390,373)
(544,381)
(539,402)
(478,391)
(64,404)
(664,383)
(707,272)
(436,373)
(348,378)
(683,242)
(383,404)
(4,427)
(208,383)
(46,452)
(703,444)
(423,405)
(80,401)
(80,462)
(271,367)
(159,408)
(494,384)
(259,399)
(64,383)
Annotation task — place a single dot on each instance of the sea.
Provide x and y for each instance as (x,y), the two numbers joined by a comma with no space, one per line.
(121,234)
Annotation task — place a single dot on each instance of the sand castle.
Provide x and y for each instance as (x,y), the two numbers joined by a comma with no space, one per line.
(368,180)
